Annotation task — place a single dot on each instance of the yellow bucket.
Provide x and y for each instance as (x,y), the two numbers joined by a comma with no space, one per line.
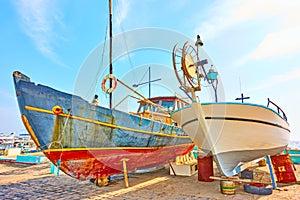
(227,187)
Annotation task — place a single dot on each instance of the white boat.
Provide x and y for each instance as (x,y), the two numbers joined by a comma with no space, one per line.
(243,133)
(234,133)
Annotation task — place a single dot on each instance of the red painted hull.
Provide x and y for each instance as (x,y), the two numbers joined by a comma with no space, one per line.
(85,164)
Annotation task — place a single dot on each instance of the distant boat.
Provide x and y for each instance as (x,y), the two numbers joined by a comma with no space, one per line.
(88,141)
(234,133)
(13,140)
(294,155)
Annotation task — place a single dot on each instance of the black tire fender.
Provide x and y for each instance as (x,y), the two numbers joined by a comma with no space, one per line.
(257,190)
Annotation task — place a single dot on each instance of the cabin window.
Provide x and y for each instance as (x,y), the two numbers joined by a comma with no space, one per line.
(143,108)
(175,105)
(179,104)
(168,104)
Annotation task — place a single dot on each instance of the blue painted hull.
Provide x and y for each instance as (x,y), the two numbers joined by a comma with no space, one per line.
(83,128)
(294,155)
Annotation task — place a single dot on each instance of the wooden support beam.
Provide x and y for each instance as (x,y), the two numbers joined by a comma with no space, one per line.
(124,160)
(269,162)
(172,168)
(237,180)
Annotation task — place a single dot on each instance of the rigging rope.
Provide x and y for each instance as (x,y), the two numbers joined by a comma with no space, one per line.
(97,79)
(124,38)
(60,138)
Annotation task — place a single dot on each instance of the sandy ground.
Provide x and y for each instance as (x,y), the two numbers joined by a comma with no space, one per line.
(19,181)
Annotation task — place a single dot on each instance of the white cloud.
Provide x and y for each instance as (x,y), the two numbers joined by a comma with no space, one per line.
(278,80)
(276,44)
(224,15)
(283,42)
(122,9)
(283,37)
(228,13)
(39,19)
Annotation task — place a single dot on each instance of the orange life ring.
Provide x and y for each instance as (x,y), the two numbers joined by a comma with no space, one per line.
(114,83)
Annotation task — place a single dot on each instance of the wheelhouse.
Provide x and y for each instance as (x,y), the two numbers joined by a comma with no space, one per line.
(169,104)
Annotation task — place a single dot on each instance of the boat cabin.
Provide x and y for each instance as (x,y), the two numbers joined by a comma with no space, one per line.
(169,103)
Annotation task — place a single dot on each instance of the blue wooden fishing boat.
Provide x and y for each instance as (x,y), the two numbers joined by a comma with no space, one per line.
(88,141)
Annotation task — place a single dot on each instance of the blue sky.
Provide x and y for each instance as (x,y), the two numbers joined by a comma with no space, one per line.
(252,42)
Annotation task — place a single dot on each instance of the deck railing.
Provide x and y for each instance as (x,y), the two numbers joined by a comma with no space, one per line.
(279,110)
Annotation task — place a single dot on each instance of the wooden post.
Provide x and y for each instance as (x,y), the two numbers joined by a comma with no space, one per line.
(58,167)
(172,168)
(125,172)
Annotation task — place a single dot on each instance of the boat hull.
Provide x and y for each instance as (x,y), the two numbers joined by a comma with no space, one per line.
(236,133)
(294,155)
(88,141)
(93,163)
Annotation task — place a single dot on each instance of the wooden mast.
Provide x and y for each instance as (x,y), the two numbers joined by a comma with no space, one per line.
(110,51)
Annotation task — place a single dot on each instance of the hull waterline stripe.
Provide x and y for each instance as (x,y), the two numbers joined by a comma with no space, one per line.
(247,120)
(188,122)
(237,119)
(113,148)
(103,123)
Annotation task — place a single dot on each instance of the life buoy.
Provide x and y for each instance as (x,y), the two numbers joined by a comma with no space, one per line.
(114,83)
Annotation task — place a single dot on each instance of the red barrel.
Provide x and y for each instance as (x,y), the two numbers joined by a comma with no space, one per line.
(205,168)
